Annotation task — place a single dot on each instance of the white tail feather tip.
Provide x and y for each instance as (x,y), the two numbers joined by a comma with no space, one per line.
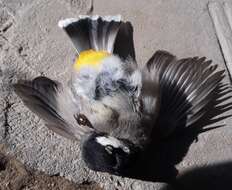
(64,23)
(116,18)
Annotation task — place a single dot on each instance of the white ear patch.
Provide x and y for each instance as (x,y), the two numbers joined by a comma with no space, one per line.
(109,141)
(104,141)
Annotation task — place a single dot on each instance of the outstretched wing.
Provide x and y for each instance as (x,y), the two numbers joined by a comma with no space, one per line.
(186,87)
(54,103)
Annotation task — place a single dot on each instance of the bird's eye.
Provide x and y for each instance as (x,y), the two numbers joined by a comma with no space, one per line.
(82,120)
(126,149)
(109,149)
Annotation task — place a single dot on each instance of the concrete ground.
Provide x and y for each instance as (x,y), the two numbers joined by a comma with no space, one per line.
(31,43)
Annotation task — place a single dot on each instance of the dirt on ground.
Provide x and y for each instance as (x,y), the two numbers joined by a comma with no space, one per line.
(14,175)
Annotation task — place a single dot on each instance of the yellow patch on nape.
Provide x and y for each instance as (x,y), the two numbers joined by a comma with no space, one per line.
(90,58)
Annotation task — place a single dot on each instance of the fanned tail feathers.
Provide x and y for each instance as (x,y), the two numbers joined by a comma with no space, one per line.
(100,33)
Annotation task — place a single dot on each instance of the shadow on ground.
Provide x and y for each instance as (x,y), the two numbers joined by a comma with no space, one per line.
(214,177)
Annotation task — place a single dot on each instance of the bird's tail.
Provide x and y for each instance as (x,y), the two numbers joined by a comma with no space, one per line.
(106,33)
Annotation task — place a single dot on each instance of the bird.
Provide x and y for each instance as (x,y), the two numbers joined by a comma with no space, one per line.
(111,104)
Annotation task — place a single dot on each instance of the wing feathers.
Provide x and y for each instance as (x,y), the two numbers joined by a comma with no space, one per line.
(187,86)
(53,104)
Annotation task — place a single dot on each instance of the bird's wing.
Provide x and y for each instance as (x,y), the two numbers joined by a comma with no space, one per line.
(107,33)
(186,87)
(54,104)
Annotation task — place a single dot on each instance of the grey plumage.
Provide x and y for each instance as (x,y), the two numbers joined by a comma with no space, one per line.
(121,101)
(54,103)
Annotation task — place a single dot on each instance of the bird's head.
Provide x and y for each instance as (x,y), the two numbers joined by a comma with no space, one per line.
(108,154)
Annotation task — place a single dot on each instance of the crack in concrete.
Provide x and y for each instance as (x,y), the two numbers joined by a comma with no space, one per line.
(7,26)
(6,110)
(20,56)
(90,8)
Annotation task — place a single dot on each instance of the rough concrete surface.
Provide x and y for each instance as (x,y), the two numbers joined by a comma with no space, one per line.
(31,44)
(14,175)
